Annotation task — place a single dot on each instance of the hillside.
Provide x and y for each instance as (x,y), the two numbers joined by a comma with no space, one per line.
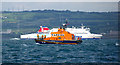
(29,21)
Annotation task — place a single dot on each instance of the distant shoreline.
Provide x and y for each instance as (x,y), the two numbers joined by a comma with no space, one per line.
(59,11)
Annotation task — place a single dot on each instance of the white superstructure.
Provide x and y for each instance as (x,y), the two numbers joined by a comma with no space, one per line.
(82,32)
(42,31)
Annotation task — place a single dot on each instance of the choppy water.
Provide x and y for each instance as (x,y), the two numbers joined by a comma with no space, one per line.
(89,51)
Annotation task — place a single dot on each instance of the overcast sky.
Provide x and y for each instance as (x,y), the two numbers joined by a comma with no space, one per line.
(73,6)
(59,0)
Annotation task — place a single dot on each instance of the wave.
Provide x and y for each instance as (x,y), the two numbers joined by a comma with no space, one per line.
(116,44)
(25,45)
(15,39)
(37,43)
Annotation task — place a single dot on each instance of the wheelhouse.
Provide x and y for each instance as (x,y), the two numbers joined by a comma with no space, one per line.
(61,35)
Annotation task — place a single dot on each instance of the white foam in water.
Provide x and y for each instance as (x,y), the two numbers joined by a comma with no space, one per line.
(37,43)
(15,39)
(116,44)
(24,45)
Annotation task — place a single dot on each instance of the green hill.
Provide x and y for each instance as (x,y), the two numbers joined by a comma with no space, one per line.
(29,21)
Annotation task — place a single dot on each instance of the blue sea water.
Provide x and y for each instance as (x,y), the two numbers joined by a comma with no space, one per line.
(89,51)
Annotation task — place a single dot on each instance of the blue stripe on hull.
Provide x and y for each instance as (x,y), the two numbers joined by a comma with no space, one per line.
(44,43)
(62,41)
(56,42)
(90,38)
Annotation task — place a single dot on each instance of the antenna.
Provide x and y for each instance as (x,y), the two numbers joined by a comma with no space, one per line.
(66,21)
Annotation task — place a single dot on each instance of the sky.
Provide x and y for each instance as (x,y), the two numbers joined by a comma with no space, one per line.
(73,6)
(60,0)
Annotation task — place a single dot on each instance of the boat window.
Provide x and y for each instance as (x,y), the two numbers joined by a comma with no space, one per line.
(59,34)
(59,38)
(52,34)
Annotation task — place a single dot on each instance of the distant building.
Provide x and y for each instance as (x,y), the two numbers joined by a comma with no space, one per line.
(3,17)
(6,32)
(114,32)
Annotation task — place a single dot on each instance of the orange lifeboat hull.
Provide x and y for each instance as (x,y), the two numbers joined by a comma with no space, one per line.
(58,42)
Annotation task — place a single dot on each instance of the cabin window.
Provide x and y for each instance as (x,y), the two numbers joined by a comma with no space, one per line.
(52,34)
(59,37)
(60,34)
(56,34)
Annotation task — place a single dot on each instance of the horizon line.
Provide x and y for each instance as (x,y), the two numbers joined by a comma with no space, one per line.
(53,10)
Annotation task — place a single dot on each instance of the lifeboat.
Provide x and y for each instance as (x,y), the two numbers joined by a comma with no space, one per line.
(59,37)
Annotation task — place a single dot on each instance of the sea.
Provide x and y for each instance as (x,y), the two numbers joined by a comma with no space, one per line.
(16,50)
